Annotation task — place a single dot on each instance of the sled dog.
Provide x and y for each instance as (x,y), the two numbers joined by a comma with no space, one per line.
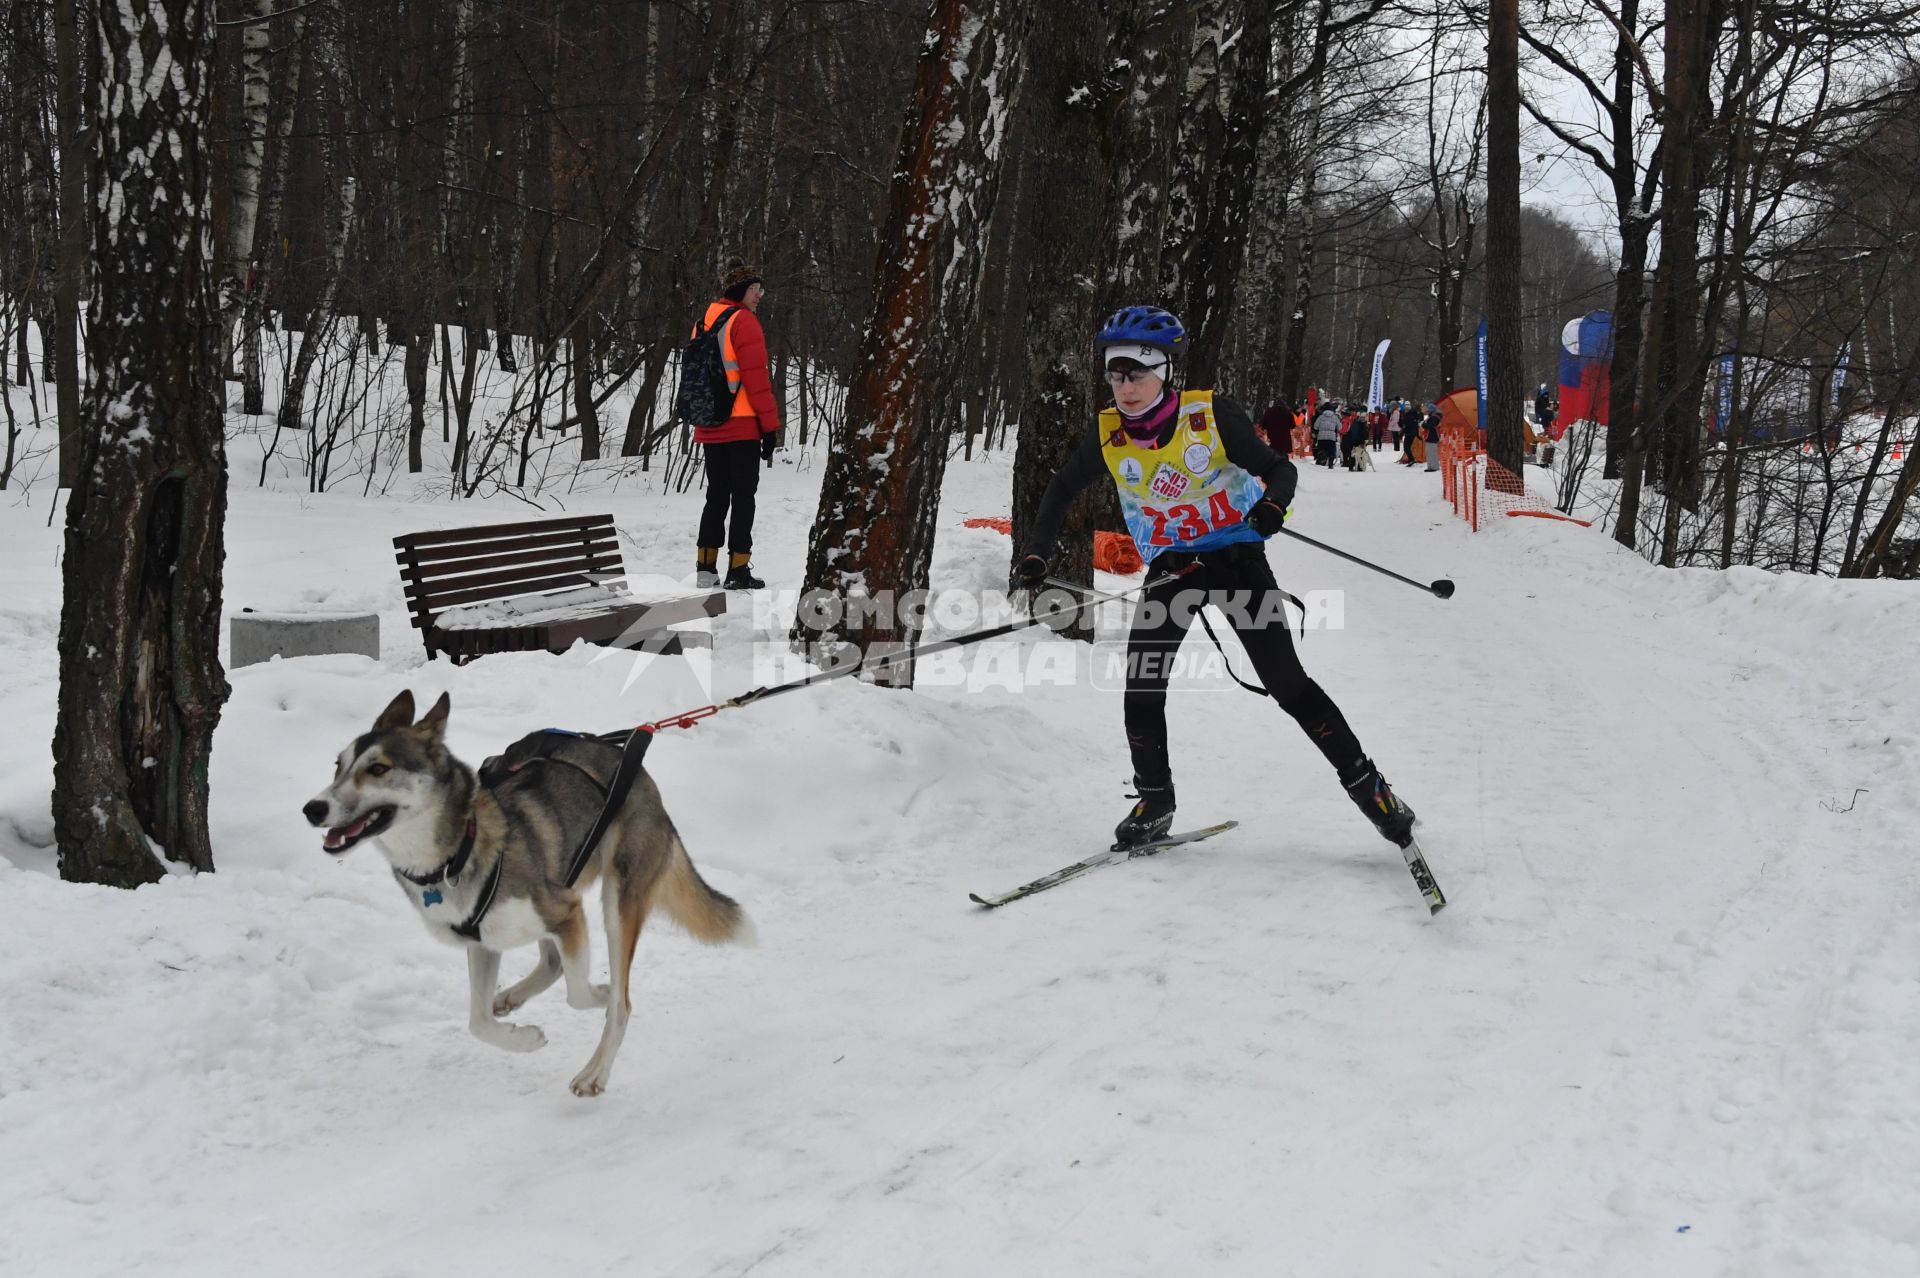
(485,863)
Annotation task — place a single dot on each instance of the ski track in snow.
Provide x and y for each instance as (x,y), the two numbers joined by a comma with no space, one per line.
(1665,1027)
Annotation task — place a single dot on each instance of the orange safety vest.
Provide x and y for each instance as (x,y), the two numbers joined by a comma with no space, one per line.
(742,406)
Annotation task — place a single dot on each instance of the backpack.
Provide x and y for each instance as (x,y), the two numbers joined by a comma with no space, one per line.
(704,396)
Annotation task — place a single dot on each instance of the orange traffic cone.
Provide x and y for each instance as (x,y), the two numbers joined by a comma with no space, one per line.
(1896,450)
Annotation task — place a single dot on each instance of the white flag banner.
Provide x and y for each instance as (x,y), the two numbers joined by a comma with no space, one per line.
(1377,388)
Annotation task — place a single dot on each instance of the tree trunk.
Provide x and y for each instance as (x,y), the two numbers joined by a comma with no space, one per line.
(1629,307)
(1142,158)
(1201,124)
(70,274)
(640,416)
(581,346)
(471,339)
(320,325)
(1692,26)
(277,162)
(140,680)
(1063,248)
(1505,389)
(249,157)
(419,354)
(1293,379)
(1213,262)
(873,538)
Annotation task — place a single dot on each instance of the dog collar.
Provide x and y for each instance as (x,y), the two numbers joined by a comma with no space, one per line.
(450,870)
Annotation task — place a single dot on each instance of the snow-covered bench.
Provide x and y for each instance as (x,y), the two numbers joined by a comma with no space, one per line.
(536,586)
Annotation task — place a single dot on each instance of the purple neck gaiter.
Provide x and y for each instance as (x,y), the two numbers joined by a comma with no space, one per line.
(1146,428)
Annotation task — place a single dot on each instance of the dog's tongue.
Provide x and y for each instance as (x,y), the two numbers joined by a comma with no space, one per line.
(340,834)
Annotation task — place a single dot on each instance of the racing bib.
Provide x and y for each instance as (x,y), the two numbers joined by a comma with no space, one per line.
(1186,495)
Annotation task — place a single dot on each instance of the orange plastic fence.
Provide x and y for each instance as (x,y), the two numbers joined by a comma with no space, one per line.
(1480,489)
(1112,552)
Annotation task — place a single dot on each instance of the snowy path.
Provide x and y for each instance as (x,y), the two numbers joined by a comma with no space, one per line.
(1666,1027)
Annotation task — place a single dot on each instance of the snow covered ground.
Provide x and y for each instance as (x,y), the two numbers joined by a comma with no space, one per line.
(1667,1025)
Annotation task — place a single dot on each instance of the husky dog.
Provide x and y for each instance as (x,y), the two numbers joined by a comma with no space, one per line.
(486,864)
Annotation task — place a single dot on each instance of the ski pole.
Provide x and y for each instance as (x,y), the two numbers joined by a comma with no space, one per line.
(1063,584)
(687,718)
(869,665)
(1441,589)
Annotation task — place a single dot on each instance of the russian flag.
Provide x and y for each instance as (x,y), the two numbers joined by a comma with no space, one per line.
(1586,368)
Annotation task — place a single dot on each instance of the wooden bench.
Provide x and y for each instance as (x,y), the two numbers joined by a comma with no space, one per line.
(529,587)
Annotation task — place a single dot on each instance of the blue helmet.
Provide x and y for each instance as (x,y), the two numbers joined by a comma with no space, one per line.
(1142,326)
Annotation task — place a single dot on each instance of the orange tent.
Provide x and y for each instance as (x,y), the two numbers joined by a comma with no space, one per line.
(1460,411)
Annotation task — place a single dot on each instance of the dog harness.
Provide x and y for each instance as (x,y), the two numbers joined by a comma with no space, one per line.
(538,747)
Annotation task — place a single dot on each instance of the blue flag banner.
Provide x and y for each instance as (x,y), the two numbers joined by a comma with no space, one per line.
(1480,380)
(1723,392)
(1377,388)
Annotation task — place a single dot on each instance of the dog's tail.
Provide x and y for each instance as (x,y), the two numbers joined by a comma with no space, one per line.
(691,901)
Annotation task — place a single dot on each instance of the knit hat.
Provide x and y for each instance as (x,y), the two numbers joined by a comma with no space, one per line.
(739,278)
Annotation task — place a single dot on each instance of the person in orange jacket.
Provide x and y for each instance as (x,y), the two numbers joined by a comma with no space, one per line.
(735,448)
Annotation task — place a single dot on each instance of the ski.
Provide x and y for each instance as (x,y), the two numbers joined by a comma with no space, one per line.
(1422,876)
(1112,856)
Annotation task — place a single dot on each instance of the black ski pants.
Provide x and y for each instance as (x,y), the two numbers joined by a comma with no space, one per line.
(1238,581)
(733,476)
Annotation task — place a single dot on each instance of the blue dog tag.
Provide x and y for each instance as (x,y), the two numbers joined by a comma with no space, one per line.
(431,897)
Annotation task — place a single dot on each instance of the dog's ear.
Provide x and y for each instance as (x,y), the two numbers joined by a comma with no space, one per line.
(398,714)
(434,721)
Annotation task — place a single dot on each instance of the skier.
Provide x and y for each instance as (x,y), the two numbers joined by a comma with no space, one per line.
(1200,493)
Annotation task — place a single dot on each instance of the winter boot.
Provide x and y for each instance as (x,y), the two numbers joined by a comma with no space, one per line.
(1373,796)
(706,573)
(1150,819)
(740,575)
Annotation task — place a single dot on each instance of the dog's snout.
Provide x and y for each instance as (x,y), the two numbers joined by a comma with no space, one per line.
(315,811)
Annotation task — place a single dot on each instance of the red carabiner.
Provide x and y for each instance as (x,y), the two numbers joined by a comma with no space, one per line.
(684,720)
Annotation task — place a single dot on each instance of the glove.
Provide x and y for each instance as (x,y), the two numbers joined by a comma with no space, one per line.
(769,442)
(1030,573)
(1266,517)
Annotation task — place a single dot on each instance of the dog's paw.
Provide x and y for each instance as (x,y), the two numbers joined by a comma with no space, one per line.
(513,1038)
(596,996)
(590,1081)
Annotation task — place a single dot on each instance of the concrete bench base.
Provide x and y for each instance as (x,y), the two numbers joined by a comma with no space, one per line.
(261,636)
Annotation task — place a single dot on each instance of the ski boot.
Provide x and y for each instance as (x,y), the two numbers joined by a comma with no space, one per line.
(1374,797)
(1151,818)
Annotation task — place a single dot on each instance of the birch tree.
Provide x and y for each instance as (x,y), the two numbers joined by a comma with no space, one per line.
(249,156)
(140,680)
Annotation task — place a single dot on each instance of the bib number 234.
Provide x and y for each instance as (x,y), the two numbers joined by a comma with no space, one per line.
(1187,522)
